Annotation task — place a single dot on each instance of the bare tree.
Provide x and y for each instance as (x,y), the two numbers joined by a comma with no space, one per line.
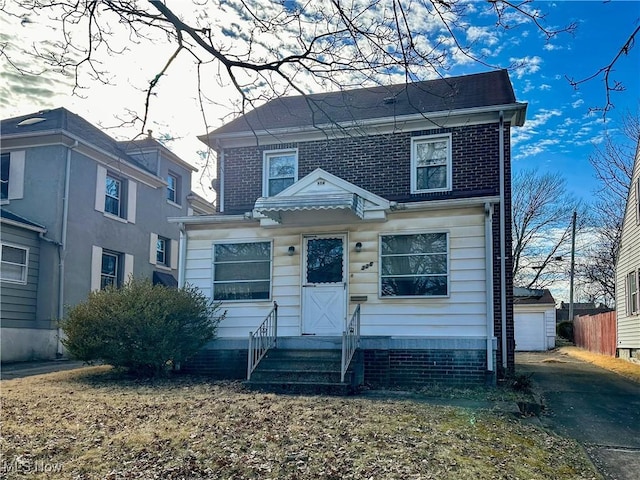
(613,165)
(541,211)
(267,48)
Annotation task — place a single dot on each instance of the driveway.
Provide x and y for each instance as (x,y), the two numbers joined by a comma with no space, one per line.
(597,407)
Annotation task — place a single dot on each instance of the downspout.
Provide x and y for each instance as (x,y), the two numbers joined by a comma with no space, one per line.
(503,248)
(63,246)
(488,241)
(182,255)
(221,176)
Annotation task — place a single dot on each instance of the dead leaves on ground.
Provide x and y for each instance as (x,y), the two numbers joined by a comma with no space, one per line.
(97,425)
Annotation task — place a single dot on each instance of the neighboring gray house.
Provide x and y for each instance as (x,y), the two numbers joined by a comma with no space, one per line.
(628,272)
(80,211)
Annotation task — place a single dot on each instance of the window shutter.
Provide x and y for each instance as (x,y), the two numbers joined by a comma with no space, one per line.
(173,257)
(128,267)
(132,188)
(16,175)
(96,267)
(153,247)
(101,182)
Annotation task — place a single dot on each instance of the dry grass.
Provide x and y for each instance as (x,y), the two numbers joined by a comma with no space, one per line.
(94,424)
(622,367)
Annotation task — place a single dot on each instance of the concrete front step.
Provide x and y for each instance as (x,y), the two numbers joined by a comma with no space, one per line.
(301,371)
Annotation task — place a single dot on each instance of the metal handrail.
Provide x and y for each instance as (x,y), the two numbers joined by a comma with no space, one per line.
(350,341)
(264,338)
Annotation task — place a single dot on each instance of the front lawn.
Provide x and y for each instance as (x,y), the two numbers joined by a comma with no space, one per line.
(95,424)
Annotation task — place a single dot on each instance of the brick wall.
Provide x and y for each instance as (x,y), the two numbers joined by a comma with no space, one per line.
(380,164)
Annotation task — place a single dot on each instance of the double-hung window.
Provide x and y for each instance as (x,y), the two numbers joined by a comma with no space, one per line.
(242,271)
(280,171)
(633,293)
(162,252)
(172,188)
(113,203)
(414,265)
(431,164)
(14,264)
(111,272)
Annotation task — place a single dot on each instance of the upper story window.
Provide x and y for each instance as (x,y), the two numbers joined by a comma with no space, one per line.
(173,188)
(14,263)
(415,265)
(12,166)
(5,161)
(280,171)
(115,195)
(431,164)
(113,203)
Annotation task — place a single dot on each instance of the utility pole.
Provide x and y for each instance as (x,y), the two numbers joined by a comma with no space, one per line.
(573,264)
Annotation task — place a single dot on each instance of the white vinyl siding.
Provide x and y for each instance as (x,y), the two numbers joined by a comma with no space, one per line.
(461,314)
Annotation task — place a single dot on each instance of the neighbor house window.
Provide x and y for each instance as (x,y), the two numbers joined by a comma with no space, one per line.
(14,264)
(414,265)
(280,171)
(113,203)
(162,254)
(111,272)
(242,271)
(431,164)
(5,161)
(638,201)
(172,188)
(633,295)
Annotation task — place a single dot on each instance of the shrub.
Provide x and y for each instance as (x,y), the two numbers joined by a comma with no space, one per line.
(144,328)
(565,330)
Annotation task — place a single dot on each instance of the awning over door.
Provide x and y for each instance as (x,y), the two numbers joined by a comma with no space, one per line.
(316,209)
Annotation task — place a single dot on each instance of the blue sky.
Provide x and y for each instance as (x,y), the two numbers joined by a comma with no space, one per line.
(559,135)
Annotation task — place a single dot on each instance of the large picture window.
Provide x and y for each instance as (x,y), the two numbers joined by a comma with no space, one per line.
(414,265)
(242,271)
(280,171)
(14,265)
(431,164)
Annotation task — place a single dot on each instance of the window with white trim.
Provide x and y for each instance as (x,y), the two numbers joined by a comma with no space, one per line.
(115,195)
(5,162)
(280,171)
(633,294)
(14,263)
(111,271)
(414,265)
(638,201)
(242,271)
(162,251)
(431,163)
(173,188)
(12,166)
(113,200)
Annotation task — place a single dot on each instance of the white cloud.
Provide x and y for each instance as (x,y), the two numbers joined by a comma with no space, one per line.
(549,47)
(577,103)
(525,65)
(545,87)
(485,35)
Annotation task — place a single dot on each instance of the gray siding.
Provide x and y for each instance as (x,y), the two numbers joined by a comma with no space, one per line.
(19,302)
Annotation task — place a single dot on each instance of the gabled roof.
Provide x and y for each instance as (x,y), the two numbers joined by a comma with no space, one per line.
(531,296)
(349,106)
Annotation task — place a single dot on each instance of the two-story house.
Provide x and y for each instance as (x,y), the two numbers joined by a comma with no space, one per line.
(80,211)
(628,272)
(384,206)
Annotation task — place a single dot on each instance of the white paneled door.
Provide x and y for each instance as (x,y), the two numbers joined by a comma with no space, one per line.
(324,288)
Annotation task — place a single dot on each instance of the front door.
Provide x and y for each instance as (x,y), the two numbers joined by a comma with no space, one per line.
(324,288)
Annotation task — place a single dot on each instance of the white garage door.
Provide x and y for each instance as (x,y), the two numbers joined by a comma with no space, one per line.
(529,331)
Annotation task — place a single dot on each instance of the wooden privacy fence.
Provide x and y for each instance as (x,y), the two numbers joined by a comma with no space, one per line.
(596,333)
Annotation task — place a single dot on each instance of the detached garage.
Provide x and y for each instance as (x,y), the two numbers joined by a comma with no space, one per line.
(534,314)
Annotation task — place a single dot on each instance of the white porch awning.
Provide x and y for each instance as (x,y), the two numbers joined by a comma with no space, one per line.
(316,209)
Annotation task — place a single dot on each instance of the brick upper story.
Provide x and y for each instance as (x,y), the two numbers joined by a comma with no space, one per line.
(380,164)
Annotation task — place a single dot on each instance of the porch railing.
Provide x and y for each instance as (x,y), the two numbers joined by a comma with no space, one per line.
(350,341)
(264,338)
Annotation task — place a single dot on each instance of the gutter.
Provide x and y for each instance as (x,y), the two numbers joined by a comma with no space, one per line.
(503,253)
(488,242)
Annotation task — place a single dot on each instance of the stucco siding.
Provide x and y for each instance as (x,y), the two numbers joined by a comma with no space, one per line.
(461,313)
(629,261)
